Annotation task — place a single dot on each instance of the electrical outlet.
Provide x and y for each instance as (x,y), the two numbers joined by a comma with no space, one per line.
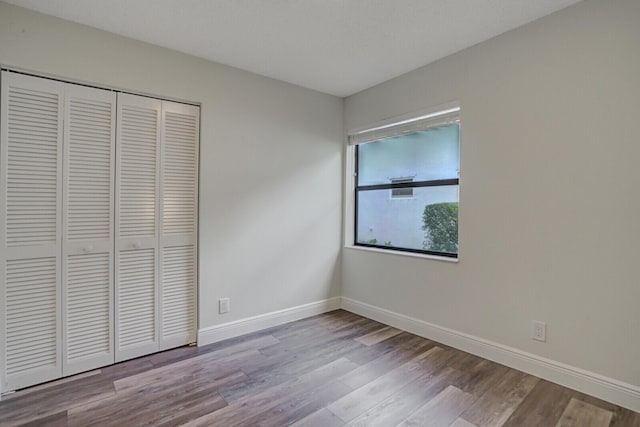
(224,305)
(538,330)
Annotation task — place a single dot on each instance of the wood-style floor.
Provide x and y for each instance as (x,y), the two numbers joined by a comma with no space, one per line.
(329,370)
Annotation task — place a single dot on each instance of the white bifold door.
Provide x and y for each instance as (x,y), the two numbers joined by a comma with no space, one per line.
(56,187)
(156,225)
(98,227)
(31,231)
(137,219)
(87,249)
(178,224)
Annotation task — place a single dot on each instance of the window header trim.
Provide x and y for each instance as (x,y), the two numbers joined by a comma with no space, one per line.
(415,124)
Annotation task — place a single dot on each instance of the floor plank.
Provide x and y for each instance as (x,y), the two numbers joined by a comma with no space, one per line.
(280,370)
(396,407)
(404,342)
(544,404)
(384,363)
(238,412)
(321,418)
(625,417)
(56,420)
(191,369)
(378,336)
(300,406)
(151,403)
(461,422)
(55,383)
(374,392)
(442,410)
(52,400)
(495,406)
(478,379)
(579,413)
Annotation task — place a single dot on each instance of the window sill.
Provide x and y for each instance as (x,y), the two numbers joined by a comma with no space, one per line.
(401,253)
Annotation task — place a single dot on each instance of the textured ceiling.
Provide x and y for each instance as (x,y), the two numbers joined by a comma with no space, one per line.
(335,46)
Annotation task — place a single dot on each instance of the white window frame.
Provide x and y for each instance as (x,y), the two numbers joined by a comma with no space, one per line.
(410,122)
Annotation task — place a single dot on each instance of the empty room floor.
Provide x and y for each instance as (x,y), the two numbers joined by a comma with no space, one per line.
(333,369)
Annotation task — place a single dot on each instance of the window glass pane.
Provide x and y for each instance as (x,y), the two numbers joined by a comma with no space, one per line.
(400,222)
(423,156)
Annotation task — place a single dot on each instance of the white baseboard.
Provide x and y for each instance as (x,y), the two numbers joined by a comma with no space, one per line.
(600,386)
(236,328)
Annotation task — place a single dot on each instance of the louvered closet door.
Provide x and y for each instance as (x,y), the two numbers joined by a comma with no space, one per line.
(179,220)
(30,230)
(87,269)
(137,218)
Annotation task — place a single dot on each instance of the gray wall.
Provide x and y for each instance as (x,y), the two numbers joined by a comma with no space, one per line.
(549,205)
(265,147)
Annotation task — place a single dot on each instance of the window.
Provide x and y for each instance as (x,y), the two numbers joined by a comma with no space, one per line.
(406,185)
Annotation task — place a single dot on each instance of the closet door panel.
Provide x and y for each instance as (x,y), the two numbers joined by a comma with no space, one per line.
(30,230)
(178,296)
(179,220)
(137,302)
(87,282)
(137,219)
(179,169)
